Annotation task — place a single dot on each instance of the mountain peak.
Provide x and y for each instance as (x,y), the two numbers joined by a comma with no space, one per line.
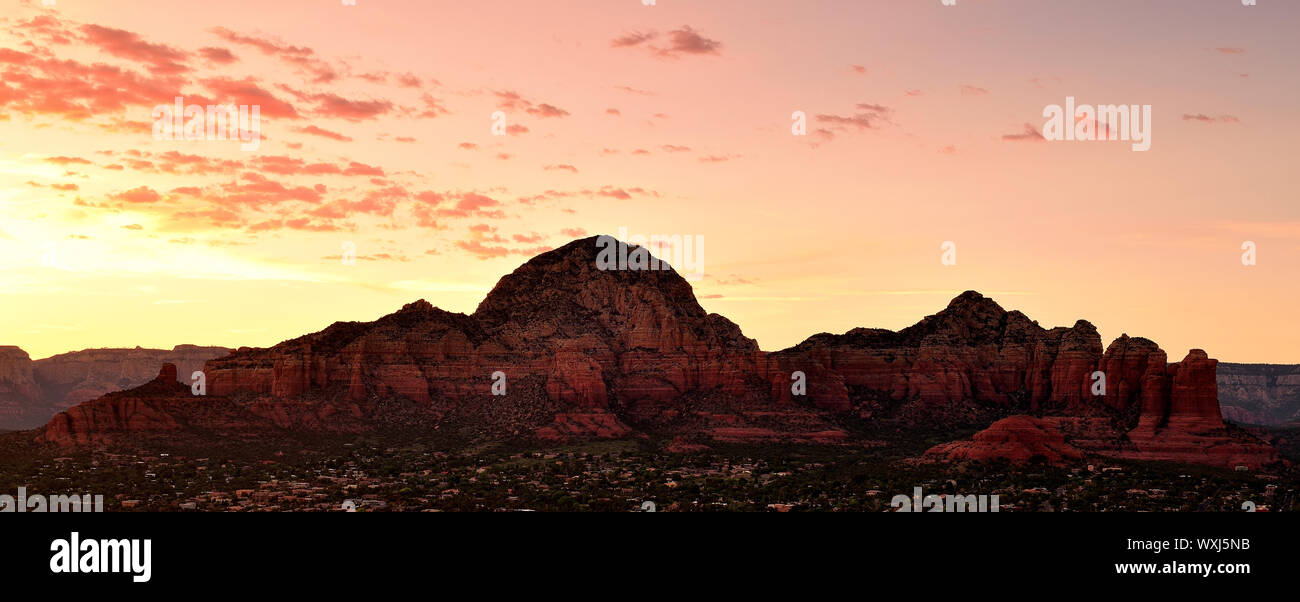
(417,306)
(579,278)
(975,301)
(968,296)
(970,317)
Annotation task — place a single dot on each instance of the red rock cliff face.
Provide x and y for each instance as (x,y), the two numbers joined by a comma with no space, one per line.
(1179,419)
(1135,370)
(146,408)
(975,353)
(1183,423)
(972,352)
(1184,398)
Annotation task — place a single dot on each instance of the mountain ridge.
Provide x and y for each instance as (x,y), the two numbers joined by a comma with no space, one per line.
(614,353)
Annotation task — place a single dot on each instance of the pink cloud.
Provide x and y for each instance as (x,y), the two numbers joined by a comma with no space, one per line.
(1030,134)
(1203,118)
(680,42)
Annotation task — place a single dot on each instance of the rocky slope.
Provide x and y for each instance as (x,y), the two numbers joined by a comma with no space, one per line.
(31,392)
(574,351)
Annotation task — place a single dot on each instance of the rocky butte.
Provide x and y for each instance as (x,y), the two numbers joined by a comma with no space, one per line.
(613,353)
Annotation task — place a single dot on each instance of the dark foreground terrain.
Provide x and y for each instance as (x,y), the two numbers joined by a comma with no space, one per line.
(406,472)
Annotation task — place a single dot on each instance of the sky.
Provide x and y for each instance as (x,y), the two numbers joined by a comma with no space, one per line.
(378,140)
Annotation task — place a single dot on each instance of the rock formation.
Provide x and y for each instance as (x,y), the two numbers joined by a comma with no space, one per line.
(1179,419)
(971,354)
(1016,439)
(561,349)
(974,355)
(636,343)
(144,408)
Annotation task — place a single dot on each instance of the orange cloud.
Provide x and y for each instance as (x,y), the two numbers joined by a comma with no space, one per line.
(323,133)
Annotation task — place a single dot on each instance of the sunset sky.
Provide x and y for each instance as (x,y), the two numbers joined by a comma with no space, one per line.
(923,126)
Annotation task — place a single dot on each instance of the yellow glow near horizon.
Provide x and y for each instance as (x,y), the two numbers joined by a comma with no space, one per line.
(383,141)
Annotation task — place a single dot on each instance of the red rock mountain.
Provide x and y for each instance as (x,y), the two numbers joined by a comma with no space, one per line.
(971,355)
(603,347)
(31,392)
(606,353)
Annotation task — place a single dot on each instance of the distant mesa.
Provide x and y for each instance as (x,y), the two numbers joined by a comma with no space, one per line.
(31,392)
(1259,394)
